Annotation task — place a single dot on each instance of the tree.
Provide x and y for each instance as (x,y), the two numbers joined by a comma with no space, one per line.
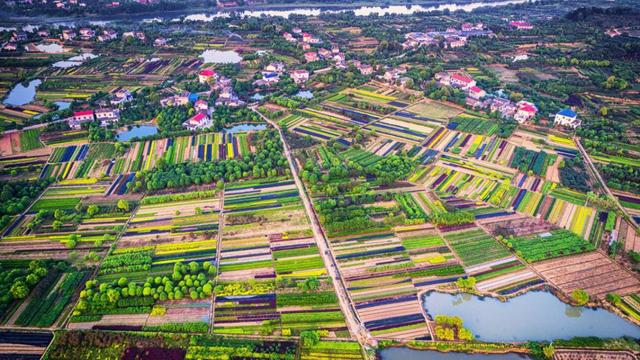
(309,338)
(92,210)
(19,290)
(123,205)
(580,297)
(548,351)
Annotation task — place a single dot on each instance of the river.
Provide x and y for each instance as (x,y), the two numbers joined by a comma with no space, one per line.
(285,11)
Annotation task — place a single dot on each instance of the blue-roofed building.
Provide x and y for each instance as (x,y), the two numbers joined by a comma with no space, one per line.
(568,118)
(193,97)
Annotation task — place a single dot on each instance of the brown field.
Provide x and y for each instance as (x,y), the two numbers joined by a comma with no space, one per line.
(593,272)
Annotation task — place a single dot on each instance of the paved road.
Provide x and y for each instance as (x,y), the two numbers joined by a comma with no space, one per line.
(353,321)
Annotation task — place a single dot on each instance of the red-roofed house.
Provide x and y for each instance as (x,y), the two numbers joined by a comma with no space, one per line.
(461,81)
(476,93)
(310,39)
(311,56)
(521,25)
(197,121)
(300,76)
(526,111)
(80,117)
(206,75)
(201,105)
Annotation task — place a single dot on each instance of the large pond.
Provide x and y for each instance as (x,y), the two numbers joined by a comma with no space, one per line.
(410,354)
(139,131)
(21,95)
(52,48)
(74,61)
(244,128)
(536,316)
(221,57)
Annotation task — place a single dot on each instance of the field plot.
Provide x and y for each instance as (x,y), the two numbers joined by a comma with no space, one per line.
(272,278)
(560,207)
(320,124)
(174,218)
(60,220)
(593,272)
(46,289)
(167,286)
(385,271)
(549,245)
(65,161)
(24,345)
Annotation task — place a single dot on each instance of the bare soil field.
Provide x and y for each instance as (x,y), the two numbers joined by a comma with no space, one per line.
(593,272)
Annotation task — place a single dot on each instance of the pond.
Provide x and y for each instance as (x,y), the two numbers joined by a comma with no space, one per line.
(221,57)
(304,94)
(138,131)
(21,95)
(74,61)
(536,316)
(410,354)
(52,48)
(244,128)
(63,105)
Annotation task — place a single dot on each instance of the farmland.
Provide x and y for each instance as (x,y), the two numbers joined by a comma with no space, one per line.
(182,180)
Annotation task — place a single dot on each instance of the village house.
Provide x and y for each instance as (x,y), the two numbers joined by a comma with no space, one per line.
(79,118)
(120,96)
(107,35)
(455,41)
(324,53)
(521,25)
(526,111)
(310,39)
(10,46)
(107,116)
(68,34)
(365,69)
(300,76)
(134,34)
(461,81)
(43,33)
(160,42)
(197,121)
(287,36)
(276,66)
(229,98)
(567,118)
(86,33)
(175,100)
(201,106)
(296,30)
(393,75)
(476,93)
(19,36)
(335,49)
(206,76)
(339,57)
(311,56)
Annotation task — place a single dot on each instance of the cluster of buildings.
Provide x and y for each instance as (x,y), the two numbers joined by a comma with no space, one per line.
(272,72)
(297,35)
(71,34)
(521,111)
(106,116)
(223,84)
(202,117)
(452,37)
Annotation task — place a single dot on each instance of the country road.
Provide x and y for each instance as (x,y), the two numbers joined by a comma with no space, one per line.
(596,174)
(356,328)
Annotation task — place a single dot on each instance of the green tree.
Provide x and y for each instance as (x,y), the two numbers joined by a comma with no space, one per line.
(580,297)
(123,205)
